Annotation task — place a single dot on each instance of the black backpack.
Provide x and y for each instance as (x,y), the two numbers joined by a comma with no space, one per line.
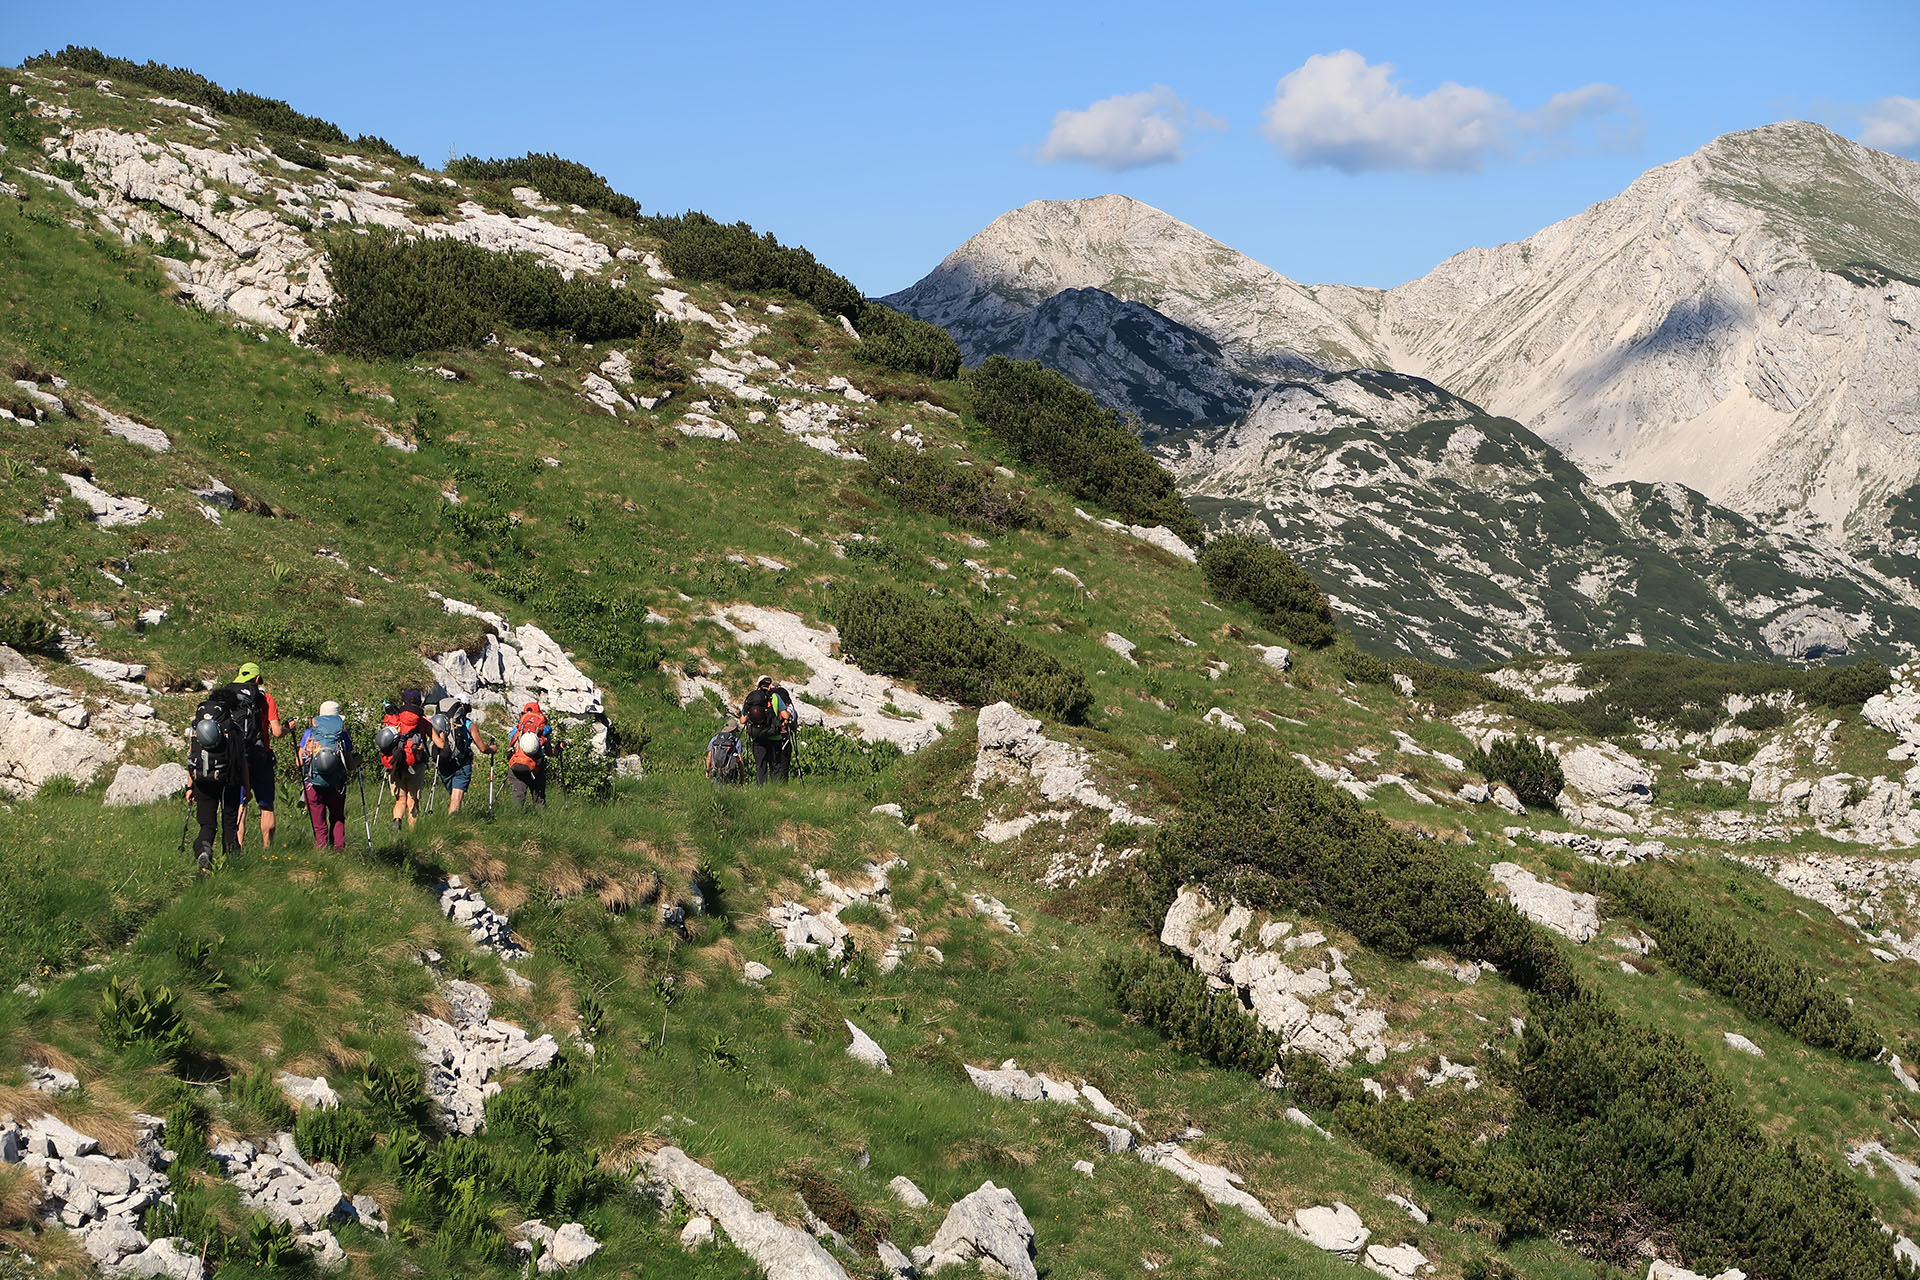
(759,714)
(219,733)
(724,760)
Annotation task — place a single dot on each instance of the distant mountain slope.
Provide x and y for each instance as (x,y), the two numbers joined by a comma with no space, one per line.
(1137,253)
(1741,321)
(1442,529)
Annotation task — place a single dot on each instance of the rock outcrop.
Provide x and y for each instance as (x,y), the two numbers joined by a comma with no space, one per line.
(783,1252)
(1574,916)
(1012,751)
(1317,1009)
(465,1057)
(101,1199)
(988,1227)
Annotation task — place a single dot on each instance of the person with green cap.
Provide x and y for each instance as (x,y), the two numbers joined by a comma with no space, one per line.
(263,727)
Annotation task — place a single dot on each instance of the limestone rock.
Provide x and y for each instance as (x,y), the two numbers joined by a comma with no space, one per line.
(697,1234)
(989,1227)
(755,972)
(1218,1184)
(1574,916)
(1336,1229)
(306,1093)
(1120,645)
(781,1251)
(1398,1262)
(1607,775)
(1740,1044)
(109,512)
(1274,656)
(133,785)
(1658,1270)
(863,1049)
(906,1193)
(1012,751)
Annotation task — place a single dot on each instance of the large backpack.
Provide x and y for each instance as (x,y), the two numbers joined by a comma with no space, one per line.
(759,713)
(402,745)
(529,741)
(327,753)
(459,752)
(725,763)
(218,736)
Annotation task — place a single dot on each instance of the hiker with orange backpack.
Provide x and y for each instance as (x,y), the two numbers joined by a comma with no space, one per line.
(533,743)
(403,741)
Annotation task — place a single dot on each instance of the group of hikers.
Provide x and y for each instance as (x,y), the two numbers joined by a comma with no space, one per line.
(232,765)
(770,721)
(232,762)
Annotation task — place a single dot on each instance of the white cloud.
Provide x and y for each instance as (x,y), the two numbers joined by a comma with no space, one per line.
(1893,124)
(1126,131)
(1341,111)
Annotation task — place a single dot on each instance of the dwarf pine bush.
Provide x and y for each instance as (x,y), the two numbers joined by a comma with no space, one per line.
(564,181)
(896,341)
(697,247)
(1064,433)
(1248,569)
(396,297)
(1530,769)
(270,114)
(1744,970)
(932,482)
(949,651)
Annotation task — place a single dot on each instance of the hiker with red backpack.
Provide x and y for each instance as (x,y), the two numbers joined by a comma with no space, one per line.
(533,743)
(403,740)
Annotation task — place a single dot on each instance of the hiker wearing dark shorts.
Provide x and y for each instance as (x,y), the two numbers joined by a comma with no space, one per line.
(454,742)
(266,726)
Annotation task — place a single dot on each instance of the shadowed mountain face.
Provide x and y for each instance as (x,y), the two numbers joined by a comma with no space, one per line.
(1721,360)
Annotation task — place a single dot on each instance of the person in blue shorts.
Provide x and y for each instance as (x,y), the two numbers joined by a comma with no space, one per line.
(454,741)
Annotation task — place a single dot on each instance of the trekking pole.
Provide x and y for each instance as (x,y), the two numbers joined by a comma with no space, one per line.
(186,818)
(491,757)
(434,776)
(366,815)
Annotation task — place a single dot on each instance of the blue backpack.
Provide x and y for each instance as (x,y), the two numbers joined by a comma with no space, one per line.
(327,758)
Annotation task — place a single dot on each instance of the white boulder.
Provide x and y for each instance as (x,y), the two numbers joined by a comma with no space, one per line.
(987,1227)
(1575,916)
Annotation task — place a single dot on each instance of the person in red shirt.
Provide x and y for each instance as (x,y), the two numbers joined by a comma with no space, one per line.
(266,726)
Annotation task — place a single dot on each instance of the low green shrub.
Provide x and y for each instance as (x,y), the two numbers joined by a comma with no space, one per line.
(294,150)
(930,481)
(1261,830)
(609,625)
(1530,769)
(951,652)
(260,1097)
(896,341)
(1734,751)
(131,1014)
(188,86)
(1744,970)
(697,247)
(269,639)
(25,625)
(1065,434)
(1176,1001)
(396,297)
(565,181)
(1362,668)
(1690,794)
(1847,686)
(1762,716)
(337,1135)
(825,753)
(1246,569)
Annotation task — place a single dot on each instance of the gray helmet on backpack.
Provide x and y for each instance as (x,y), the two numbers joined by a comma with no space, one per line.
(209,734)
(441,723)
(386,739)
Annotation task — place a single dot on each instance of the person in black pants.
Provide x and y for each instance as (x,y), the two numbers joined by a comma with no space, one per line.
(766,713)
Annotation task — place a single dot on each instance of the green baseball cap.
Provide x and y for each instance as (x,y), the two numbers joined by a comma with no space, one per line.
(249,671)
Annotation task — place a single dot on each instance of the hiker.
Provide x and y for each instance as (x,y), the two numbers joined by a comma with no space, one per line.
(403,742)
(264,726)
(725,763)
(768,715)
(327,760)
(225,728)
(454,741)
(527,766)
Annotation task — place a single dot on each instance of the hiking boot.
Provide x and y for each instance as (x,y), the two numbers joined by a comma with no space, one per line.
(204,861)
(396,825)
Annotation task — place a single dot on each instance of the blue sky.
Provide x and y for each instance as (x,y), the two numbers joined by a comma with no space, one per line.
(881,136)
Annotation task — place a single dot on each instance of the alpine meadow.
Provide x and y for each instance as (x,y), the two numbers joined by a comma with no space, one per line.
(1270,789)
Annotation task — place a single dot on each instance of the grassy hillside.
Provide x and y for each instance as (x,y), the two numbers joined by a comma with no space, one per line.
(623,537)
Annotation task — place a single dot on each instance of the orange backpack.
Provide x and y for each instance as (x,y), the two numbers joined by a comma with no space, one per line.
(533,722)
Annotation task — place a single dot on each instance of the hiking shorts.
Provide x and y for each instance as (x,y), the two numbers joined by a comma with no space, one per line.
(260,781)
(460,779)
